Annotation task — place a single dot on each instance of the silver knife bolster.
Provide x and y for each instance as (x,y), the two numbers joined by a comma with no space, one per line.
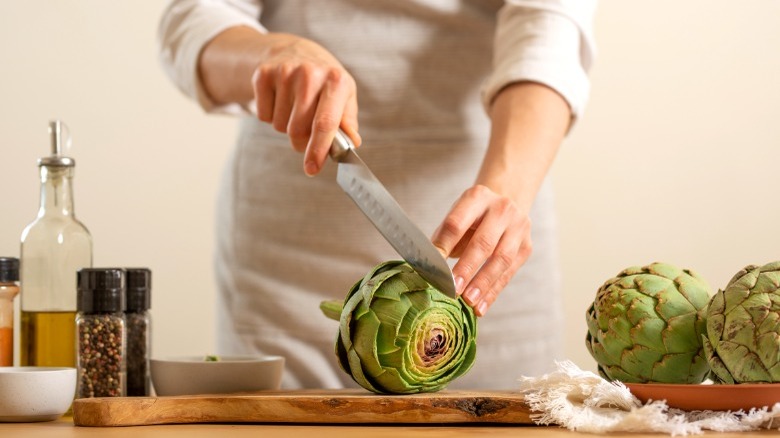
(340,146)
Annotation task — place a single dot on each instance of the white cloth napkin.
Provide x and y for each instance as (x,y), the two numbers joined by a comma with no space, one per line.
(582,401)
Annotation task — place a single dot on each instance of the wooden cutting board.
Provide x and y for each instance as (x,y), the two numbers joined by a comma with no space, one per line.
(306,406)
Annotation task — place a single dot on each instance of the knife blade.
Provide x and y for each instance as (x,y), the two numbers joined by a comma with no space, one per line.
(379,206)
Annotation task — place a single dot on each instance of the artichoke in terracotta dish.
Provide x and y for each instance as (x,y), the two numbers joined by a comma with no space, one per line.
(400,335)
(743,327)
(646,325)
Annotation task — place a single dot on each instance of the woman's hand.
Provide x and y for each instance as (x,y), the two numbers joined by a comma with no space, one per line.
(302,90)
(488,228)
(297,85)
(492,238)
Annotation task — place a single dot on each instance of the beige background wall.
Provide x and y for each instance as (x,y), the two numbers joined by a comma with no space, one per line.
(675,159)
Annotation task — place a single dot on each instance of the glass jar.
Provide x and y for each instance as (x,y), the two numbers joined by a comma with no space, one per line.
(9,275)
(101,333)
(139,330)
(54,247)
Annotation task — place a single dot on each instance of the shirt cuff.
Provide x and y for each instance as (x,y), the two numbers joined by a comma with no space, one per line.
(543,46)
(185,29)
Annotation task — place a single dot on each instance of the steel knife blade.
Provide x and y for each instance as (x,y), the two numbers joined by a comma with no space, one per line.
(379,206)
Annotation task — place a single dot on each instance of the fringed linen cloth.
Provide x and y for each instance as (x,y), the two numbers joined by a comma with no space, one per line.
(582,401)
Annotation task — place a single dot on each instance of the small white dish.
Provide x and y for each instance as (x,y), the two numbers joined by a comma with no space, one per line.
(29,394)
(192,375)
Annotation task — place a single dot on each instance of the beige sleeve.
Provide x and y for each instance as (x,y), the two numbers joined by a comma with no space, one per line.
(186,27)
(549,42)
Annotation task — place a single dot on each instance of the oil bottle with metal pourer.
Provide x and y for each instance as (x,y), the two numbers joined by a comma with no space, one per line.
(54,247)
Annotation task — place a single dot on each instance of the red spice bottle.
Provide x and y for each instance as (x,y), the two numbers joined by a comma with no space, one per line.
(9,288)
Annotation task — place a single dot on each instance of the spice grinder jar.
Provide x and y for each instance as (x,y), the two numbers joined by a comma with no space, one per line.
(101,333)
(139,330)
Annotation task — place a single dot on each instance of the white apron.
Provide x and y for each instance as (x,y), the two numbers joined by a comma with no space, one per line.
(287,241)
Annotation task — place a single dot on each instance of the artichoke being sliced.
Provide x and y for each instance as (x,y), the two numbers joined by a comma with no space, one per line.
(646,323)
(743,327)
(400,335)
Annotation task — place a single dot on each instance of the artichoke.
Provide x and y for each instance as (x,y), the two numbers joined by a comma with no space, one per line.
(743,339)
(400,335)
(645,325)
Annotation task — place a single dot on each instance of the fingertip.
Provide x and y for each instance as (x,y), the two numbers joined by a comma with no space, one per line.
(481,308)
(310,168)
(459,283)
(471,296)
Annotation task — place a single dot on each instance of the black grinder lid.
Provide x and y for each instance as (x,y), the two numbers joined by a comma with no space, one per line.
(139,289)
(101,290)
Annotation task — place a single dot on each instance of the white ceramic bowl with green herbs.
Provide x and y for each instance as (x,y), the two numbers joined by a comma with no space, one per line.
(29,394)
(191,375)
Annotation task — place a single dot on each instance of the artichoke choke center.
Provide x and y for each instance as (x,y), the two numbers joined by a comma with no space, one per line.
(434,345)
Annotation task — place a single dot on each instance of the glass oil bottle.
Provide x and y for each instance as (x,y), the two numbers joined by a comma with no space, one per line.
(55,246)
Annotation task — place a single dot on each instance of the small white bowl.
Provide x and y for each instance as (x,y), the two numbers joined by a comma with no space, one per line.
(194,375)
(30,394)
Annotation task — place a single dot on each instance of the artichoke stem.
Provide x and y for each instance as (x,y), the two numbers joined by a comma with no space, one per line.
(332,309)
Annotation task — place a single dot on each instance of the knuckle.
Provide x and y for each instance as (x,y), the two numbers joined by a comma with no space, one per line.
(526,250)
(324,123)
(279,125)
(504,260)
(483,243)
(285,70)
(476,191)
(451,226)
(299,131)
(506,206)
(334,75)
(262,74)
(503,280)
(466,268)
(309,73)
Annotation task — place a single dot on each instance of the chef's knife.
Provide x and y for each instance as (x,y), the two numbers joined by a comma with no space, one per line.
(388,217)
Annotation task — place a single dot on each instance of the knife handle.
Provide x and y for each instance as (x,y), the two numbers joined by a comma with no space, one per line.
(340,146)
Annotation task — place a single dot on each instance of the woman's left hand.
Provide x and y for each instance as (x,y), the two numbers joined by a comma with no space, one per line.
(491,236)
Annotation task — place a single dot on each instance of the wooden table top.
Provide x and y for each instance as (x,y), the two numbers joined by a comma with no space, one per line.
(64,428)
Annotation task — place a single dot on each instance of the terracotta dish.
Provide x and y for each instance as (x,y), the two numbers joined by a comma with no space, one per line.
(744,396)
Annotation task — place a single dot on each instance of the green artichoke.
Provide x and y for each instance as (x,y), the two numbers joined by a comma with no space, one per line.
(645,325)
(743,327)
(400,335)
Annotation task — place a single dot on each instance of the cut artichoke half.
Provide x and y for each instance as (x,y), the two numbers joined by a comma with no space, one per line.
(400,335)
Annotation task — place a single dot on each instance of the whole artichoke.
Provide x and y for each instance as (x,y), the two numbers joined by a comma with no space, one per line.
(400,335)
(743,327)
(645,325)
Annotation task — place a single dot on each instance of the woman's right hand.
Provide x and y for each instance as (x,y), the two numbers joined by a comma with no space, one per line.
(305,92)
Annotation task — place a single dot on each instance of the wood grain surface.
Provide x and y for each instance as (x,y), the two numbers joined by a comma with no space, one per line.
(307,406)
